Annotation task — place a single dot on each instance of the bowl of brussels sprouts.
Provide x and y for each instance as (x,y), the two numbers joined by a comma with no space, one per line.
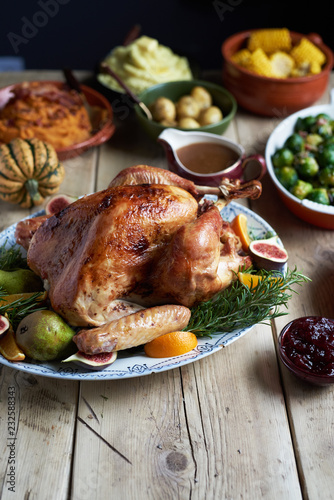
(300,161)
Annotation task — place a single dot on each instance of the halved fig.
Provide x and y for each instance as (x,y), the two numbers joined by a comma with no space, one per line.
(4,325)
(58,203)
(92,361)
(268,254)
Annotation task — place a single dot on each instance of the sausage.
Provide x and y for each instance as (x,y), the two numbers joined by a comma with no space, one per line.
(133,330)
(25,230)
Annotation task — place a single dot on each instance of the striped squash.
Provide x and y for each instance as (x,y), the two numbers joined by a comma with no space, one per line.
(29,172)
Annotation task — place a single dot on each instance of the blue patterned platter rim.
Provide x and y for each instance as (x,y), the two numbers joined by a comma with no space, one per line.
(138,364)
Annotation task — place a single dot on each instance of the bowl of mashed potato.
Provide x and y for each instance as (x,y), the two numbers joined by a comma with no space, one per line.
(54,113)
(144,63)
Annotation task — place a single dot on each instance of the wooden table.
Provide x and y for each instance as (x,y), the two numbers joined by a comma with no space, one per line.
(233,425)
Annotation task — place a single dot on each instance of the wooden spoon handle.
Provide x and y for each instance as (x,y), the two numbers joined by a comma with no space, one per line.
(71,80)
(105,69)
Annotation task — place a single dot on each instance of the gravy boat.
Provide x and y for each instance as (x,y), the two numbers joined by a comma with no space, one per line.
(245,168)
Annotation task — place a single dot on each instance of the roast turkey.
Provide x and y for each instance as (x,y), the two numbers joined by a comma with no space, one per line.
(148,241)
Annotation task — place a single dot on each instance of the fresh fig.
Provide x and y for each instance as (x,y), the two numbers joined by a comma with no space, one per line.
(58,203)
(92,361)
(4,325)
(268,254)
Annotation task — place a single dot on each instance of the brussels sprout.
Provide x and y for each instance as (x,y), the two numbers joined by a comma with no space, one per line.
(323,129)
(313,139)
(328,141)
(305,124)
(282,157)
(325,155)
(323,116)
(319,195)
(307,166)
(301,189)
(287,176)
(326,176)
(295,143)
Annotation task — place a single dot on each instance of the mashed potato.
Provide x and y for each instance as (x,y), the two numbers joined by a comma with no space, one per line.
(52,114)
(144,63)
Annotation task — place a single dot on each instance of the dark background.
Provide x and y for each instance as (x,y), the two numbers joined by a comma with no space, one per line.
(52,34)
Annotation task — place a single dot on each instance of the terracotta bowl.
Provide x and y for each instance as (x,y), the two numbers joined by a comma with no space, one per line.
(273,96)
(309,211)
(104,126)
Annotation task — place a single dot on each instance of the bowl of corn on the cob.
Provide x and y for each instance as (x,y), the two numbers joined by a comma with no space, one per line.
(275,71)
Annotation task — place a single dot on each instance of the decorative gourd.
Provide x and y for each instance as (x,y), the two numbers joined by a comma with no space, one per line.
(29,172)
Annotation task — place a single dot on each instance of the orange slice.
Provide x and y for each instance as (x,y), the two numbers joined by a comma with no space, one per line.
(9,348)
(251,280)
(171,344)
(8,299)
(239,226)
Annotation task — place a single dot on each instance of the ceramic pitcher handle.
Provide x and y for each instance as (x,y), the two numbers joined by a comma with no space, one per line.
(254,167)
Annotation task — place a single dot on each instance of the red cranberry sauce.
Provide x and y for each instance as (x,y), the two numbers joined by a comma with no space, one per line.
(309,344)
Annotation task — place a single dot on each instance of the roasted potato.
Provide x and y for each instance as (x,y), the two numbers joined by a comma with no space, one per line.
(188,123)
(210,115)
(163,109)
(187,107)
(202,97)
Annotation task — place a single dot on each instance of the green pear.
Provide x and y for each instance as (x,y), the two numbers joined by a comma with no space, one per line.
(44,336)
(20,281)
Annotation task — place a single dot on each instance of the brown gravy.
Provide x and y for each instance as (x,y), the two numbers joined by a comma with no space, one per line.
(207,157)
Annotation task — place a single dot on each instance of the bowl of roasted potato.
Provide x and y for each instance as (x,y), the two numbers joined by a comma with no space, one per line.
(300,161)
(275,71)
(186,105)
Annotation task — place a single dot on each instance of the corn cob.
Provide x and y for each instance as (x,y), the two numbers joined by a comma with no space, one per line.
(306,51)
(315,68)
(282,64)
(270,40)
(260,63)
(242,57)
(301,70)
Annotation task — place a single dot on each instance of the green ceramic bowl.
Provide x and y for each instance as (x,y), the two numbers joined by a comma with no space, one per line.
(174,90)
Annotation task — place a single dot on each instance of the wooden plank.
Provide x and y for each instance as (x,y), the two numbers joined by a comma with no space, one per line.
(180,447)
(10,77)
(142,423)
(200,431)
(36,461)
(243,422)
(217,428)
(45,408)
(309,408)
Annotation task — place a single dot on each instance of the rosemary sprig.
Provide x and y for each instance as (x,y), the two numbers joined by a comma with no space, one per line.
(239,307)
(20,308)
(11,258)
